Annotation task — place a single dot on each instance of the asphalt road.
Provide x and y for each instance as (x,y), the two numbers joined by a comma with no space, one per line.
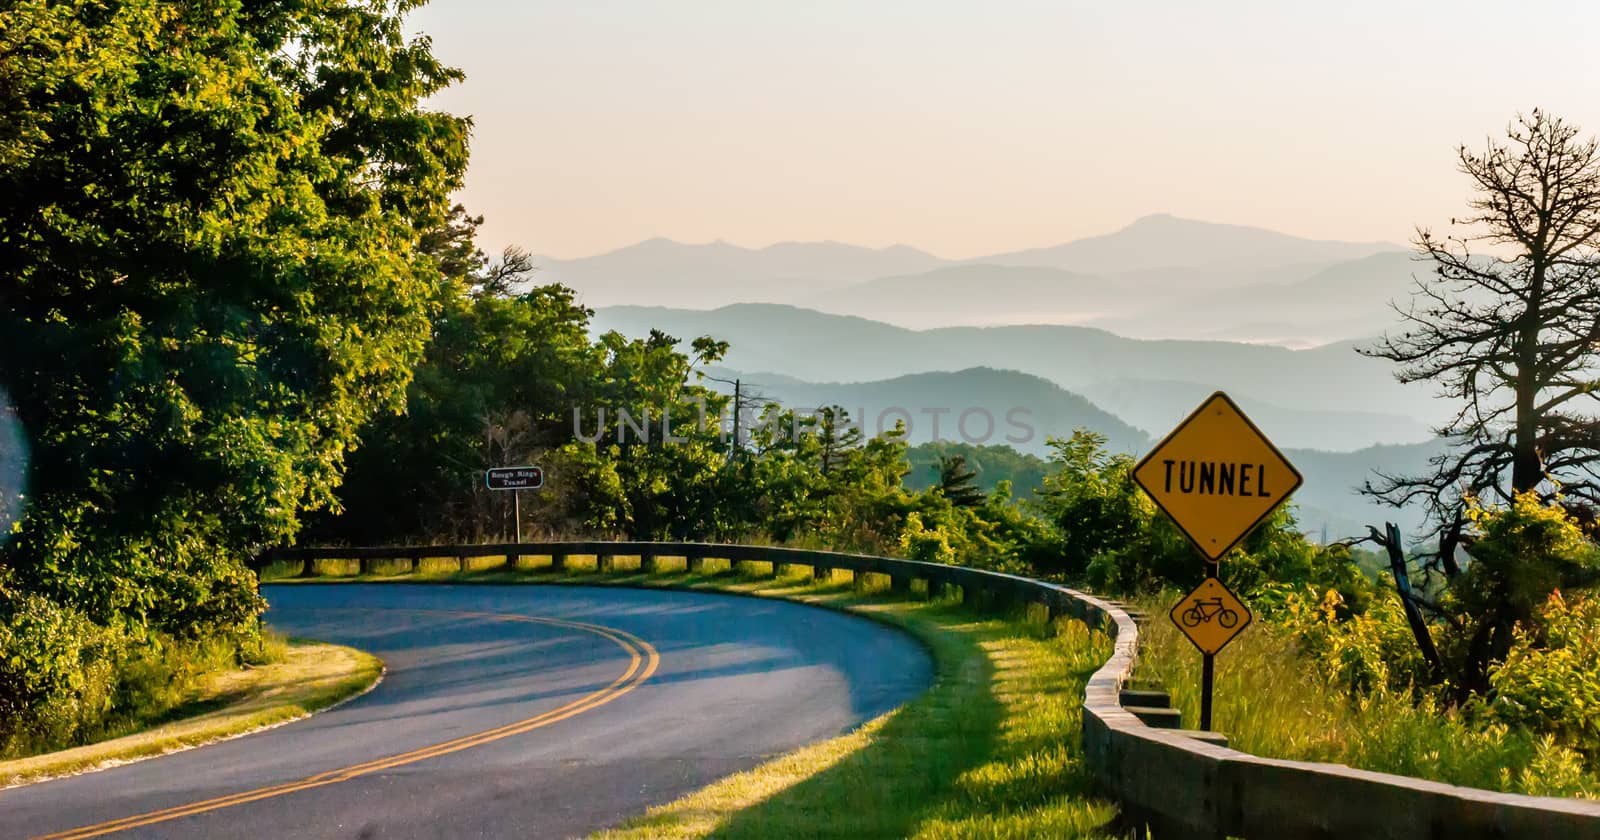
(507,711)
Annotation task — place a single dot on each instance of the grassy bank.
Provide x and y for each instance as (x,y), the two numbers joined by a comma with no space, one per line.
(992,750)
(306,677)
(1272,703)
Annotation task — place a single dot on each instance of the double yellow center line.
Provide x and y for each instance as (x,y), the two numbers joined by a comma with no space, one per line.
(643,660)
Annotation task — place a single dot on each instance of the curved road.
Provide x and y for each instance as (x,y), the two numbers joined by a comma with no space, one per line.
(507,711)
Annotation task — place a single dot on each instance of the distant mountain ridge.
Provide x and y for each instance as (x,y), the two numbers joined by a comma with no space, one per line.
(817,347)
(1337,301)
(1157,406)
(1155,262)
(1163,241)
(1299,305)
(976,405)
(661,271)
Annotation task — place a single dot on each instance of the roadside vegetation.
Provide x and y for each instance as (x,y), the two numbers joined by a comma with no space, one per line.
(121,686)
(1331,670)
(296,679)
(1272,700)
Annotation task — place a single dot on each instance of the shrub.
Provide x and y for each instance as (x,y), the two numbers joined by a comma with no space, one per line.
(65,680)
(1276,698)
(57,672)
(1363,653)
(929,545)
(1550,680)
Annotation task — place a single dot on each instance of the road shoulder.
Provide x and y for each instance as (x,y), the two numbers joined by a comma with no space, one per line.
(312,677)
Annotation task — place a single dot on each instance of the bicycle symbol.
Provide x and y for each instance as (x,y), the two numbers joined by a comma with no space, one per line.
(1205,609)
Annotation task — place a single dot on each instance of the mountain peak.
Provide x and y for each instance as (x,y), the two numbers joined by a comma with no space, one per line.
(1165,241)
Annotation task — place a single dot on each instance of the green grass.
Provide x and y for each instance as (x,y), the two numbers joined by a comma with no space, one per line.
(301,678)
(1272,703)
(992,750)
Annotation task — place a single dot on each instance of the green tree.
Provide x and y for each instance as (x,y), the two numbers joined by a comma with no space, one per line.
(496,386)
(993,463)
(212,216)
(1521,553)
(1091,499)
(1550,678)
(958,483)
(625,475)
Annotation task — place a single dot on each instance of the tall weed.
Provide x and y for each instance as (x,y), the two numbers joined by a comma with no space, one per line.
(1283,692)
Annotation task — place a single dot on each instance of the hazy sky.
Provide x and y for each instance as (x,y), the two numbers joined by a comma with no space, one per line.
(967,128)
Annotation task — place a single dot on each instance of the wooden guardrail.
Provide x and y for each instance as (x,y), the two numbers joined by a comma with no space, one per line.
(1172,783)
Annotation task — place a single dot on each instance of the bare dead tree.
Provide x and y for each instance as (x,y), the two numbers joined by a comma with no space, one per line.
(1391,542)
(501,277)
(1507,324)
(1511,334)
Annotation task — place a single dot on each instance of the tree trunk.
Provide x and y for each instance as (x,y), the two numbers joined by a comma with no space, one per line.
(1402,583)
(1526,471)
(1448,540)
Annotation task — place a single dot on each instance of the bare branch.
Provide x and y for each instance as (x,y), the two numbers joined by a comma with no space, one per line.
(1512,338)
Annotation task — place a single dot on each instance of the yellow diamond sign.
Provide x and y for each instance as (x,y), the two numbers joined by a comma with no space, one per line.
(1211,616)
(1217,476)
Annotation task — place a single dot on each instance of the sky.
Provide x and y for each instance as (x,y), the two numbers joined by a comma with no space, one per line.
(970,128)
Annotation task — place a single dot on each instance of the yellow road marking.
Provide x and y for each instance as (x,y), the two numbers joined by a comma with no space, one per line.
(643,660)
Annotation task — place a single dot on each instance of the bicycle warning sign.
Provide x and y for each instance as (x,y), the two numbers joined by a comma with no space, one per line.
(1211,616)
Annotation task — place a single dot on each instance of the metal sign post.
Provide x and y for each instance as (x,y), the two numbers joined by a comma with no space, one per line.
(514,479)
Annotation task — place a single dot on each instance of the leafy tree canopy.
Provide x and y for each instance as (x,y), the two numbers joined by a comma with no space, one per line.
(211,218)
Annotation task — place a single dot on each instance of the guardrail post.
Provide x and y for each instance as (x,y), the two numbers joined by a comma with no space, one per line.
(604,563)
(900,584)
(821,572)
(647,563)
(694,563)
(461,562)
(558,561)
(733,565)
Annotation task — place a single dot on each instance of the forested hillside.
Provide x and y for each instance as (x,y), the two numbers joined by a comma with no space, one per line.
(979,405)
(990,465)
